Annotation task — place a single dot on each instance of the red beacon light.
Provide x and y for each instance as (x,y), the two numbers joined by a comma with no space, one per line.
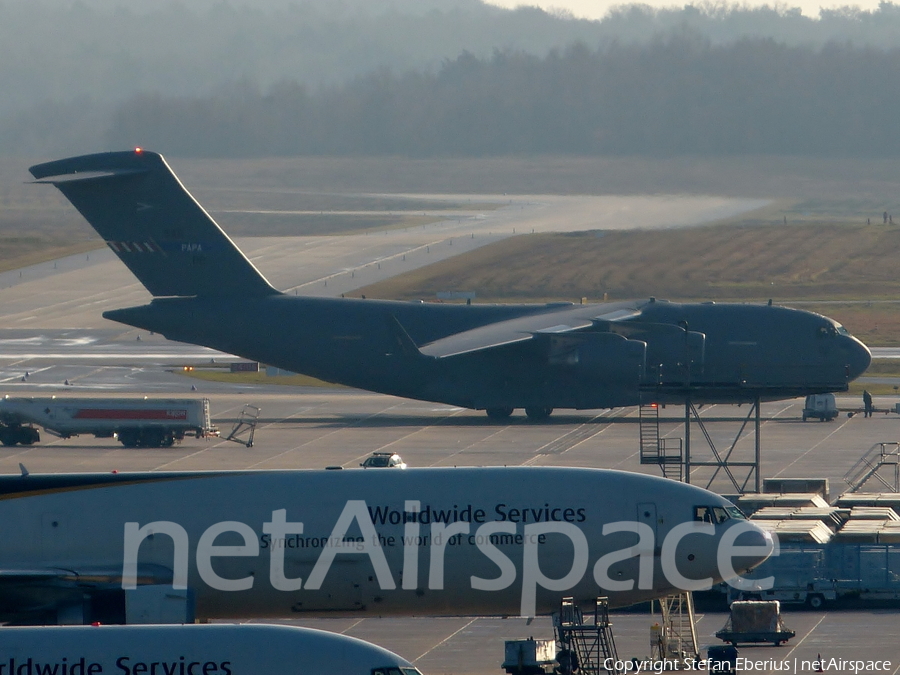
(138,151)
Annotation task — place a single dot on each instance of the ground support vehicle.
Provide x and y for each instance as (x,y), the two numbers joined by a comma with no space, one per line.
(755,621)
(135,422)
(529,657)
(816,574)
(820,407)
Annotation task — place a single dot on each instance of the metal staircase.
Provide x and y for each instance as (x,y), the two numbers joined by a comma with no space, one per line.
(667,453)
(676,636)
(246,424)
(585,647)
(867,467)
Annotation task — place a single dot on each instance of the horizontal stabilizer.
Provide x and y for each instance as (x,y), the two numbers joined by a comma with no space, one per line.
(85,176)
(147,217)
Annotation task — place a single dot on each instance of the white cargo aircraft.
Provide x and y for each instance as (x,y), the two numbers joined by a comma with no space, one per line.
(210,649)
(174,547)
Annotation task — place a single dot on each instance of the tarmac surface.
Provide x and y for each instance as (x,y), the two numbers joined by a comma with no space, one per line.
(317,427)
(53,332)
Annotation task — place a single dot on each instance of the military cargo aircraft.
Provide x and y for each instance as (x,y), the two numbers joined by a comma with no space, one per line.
(487,357)
(175,547)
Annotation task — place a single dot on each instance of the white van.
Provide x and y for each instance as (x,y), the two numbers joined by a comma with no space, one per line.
(820,407)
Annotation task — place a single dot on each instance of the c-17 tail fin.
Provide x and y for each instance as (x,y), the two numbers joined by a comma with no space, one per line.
(147,217)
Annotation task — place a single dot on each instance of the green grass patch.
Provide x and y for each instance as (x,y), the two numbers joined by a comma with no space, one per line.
(220,375)
(19,252)
(856,389)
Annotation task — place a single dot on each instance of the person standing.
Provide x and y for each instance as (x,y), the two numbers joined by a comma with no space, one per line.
(867,403)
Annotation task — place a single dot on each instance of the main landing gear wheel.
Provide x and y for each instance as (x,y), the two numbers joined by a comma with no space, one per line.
(499,413)
(538,413)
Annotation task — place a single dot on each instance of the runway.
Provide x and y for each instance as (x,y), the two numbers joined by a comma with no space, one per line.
(53,332)
(73,292)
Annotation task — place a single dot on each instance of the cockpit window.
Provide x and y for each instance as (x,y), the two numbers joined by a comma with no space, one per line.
(842,331)
(735,513)
(716,514)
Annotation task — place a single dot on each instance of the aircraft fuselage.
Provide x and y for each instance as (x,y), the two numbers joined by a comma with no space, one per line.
(452,541)
(705,352)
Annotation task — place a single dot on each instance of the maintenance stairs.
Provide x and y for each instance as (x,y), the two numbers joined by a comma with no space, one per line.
(676,636)
(585,648)
(868,466)
(667,453)
(245,428)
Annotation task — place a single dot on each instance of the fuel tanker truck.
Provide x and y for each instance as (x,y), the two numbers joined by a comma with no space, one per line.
(135,422)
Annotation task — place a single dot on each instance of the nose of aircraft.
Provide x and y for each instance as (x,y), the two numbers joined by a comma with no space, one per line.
(744,545)
(858,356)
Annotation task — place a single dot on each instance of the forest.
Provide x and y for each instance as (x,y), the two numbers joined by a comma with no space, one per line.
(677,96)
(432,78)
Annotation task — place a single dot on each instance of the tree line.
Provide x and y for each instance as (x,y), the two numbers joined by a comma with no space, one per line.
(67,67)
(680,95)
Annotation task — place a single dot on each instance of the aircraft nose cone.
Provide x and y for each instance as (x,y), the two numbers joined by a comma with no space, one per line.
(752,546)
(858,357)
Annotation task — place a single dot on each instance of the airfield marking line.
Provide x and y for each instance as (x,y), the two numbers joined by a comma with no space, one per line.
(352,626)
(223,442)
(410,434)
(319,438)
(25,451)
(798,458)
(580,434)
(584,428)
(30,372)
(99,369)
(67,305)
(633,454)
(471,445)
(180,459)
(362,266)
(453,634)
(808,633)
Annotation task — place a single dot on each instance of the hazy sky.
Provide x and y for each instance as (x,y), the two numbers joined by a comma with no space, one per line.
(595,9)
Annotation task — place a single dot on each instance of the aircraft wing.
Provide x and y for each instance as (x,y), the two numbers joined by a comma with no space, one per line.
(522,329)
(19,575)
(147,574)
